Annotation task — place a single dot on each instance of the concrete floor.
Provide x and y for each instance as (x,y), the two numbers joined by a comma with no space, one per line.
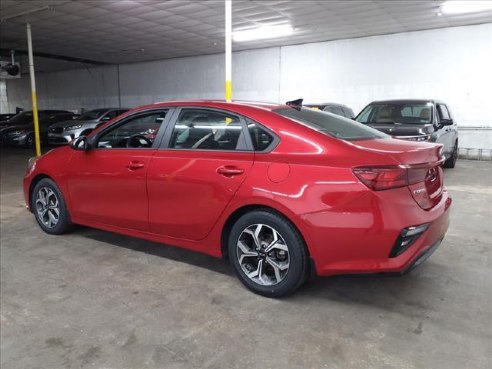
(93,299)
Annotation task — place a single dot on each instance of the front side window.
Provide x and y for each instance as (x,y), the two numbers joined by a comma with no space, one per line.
(443,112)
(136,132)
(332,125)
(201,129)
(391,113)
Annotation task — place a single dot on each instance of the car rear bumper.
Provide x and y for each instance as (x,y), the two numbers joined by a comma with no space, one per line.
(370,252)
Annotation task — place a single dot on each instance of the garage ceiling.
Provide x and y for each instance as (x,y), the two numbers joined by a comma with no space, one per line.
(131,31)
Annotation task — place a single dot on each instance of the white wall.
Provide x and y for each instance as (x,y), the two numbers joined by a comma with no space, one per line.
(452,64)
(72,90)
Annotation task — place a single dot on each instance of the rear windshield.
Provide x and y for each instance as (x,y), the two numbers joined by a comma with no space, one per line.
(394,113)
(331,124)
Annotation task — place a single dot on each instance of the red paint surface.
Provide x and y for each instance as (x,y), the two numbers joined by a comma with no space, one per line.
(180,197)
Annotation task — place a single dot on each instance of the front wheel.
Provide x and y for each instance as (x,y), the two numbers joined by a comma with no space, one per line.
(49,207)
(451,162)
(267,253)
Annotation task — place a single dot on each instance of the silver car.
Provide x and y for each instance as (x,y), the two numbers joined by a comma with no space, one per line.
(64,132)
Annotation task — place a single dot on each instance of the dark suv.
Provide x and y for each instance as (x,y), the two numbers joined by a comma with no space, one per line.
(415,120)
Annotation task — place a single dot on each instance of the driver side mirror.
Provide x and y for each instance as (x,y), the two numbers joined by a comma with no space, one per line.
(80,144)
(105,119)
(447,122)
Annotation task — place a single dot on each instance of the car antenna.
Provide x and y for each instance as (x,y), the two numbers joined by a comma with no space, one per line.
(296,104)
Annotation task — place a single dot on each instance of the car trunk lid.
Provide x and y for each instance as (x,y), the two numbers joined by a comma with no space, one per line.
(418,167)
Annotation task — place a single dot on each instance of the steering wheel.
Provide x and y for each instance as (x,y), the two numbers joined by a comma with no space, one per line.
(138,140)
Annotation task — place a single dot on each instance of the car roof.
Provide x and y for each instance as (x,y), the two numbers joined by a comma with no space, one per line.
(324,104)
(406,101)
(219,104)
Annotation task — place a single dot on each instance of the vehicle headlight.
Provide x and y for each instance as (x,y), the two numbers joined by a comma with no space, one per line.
(16,133)
(31,164)
(69,128)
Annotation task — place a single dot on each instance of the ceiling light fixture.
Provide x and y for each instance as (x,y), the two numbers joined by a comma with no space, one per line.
(468,6)
(262,33)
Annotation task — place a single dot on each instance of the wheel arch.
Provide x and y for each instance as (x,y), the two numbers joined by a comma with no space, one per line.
(33,184)
(236,214)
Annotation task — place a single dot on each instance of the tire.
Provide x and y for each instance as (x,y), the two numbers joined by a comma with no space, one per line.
(30,140)
(275,268)
(46,201)
(451,162)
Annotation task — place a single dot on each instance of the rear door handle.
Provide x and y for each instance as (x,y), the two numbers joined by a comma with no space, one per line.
(134,165)
(230,171)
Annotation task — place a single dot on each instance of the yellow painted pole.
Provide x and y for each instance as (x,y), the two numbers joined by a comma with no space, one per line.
(37,141)
(228,50)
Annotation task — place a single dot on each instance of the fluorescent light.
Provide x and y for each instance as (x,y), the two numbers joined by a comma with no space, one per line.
(468,6)
(262,33)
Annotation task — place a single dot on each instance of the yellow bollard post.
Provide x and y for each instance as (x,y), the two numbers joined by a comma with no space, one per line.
(37,141)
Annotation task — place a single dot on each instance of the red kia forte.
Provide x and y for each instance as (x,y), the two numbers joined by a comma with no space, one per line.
(281,190)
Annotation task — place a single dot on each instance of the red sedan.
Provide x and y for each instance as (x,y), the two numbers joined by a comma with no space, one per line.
(281,190)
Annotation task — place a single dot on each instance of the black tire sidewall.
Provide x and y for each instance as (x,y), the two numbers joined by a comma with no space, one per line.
(297,252)
(64,223)
(451,162)
(30,140)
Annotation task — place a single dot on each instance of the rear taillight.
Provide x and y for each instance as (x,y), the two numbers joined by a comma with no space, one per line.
(383,178)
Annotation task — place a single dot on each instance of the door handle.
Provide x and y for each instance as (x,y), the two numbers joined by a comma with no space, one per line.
(230,171)
(134,165)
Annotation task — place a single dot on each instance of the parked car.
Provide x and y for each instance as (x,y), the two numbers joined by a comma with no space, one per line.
(415,120)
(5,117)
(64,132)
(282,191)
(338,109)
(26,117)
(20,129)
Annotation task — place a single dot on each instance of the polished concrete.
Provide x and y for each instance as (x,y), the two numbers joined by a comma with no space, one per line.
(93,299)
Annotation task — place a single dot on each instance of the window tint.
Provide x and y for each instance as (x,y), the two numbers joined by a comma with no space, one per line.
(202,129)
(335,110)
(111,114)
(136,132)
(406,113)
(92,114)
(259,136)
(333,125)
(443,112)
(348,113)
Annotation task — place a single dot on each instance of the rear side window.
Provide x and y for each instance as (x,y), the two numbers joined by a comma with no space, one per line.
(330,124)
(259,136)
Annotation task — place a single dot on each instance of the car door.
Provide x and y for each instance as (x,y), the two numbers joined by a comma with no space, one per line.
(107,184)
(444,133)
(204,159)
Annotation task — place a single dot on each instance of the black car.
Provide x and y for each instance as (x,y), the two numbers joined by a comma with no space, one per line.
(19,130)
(4,117)
(334,108)
(415,120)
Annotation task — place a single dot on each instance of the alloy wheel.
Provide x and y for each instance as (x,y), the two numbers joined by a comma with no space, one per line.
(47,207)
(263,254)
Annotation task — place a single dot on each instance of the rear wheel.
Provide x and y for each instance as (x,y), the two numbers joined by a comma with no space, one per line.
(267,253)
(451,162)
(49,207)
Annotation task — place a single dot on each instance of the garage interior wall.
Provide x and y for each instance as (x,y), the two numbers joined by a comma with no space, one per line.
(452,64)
